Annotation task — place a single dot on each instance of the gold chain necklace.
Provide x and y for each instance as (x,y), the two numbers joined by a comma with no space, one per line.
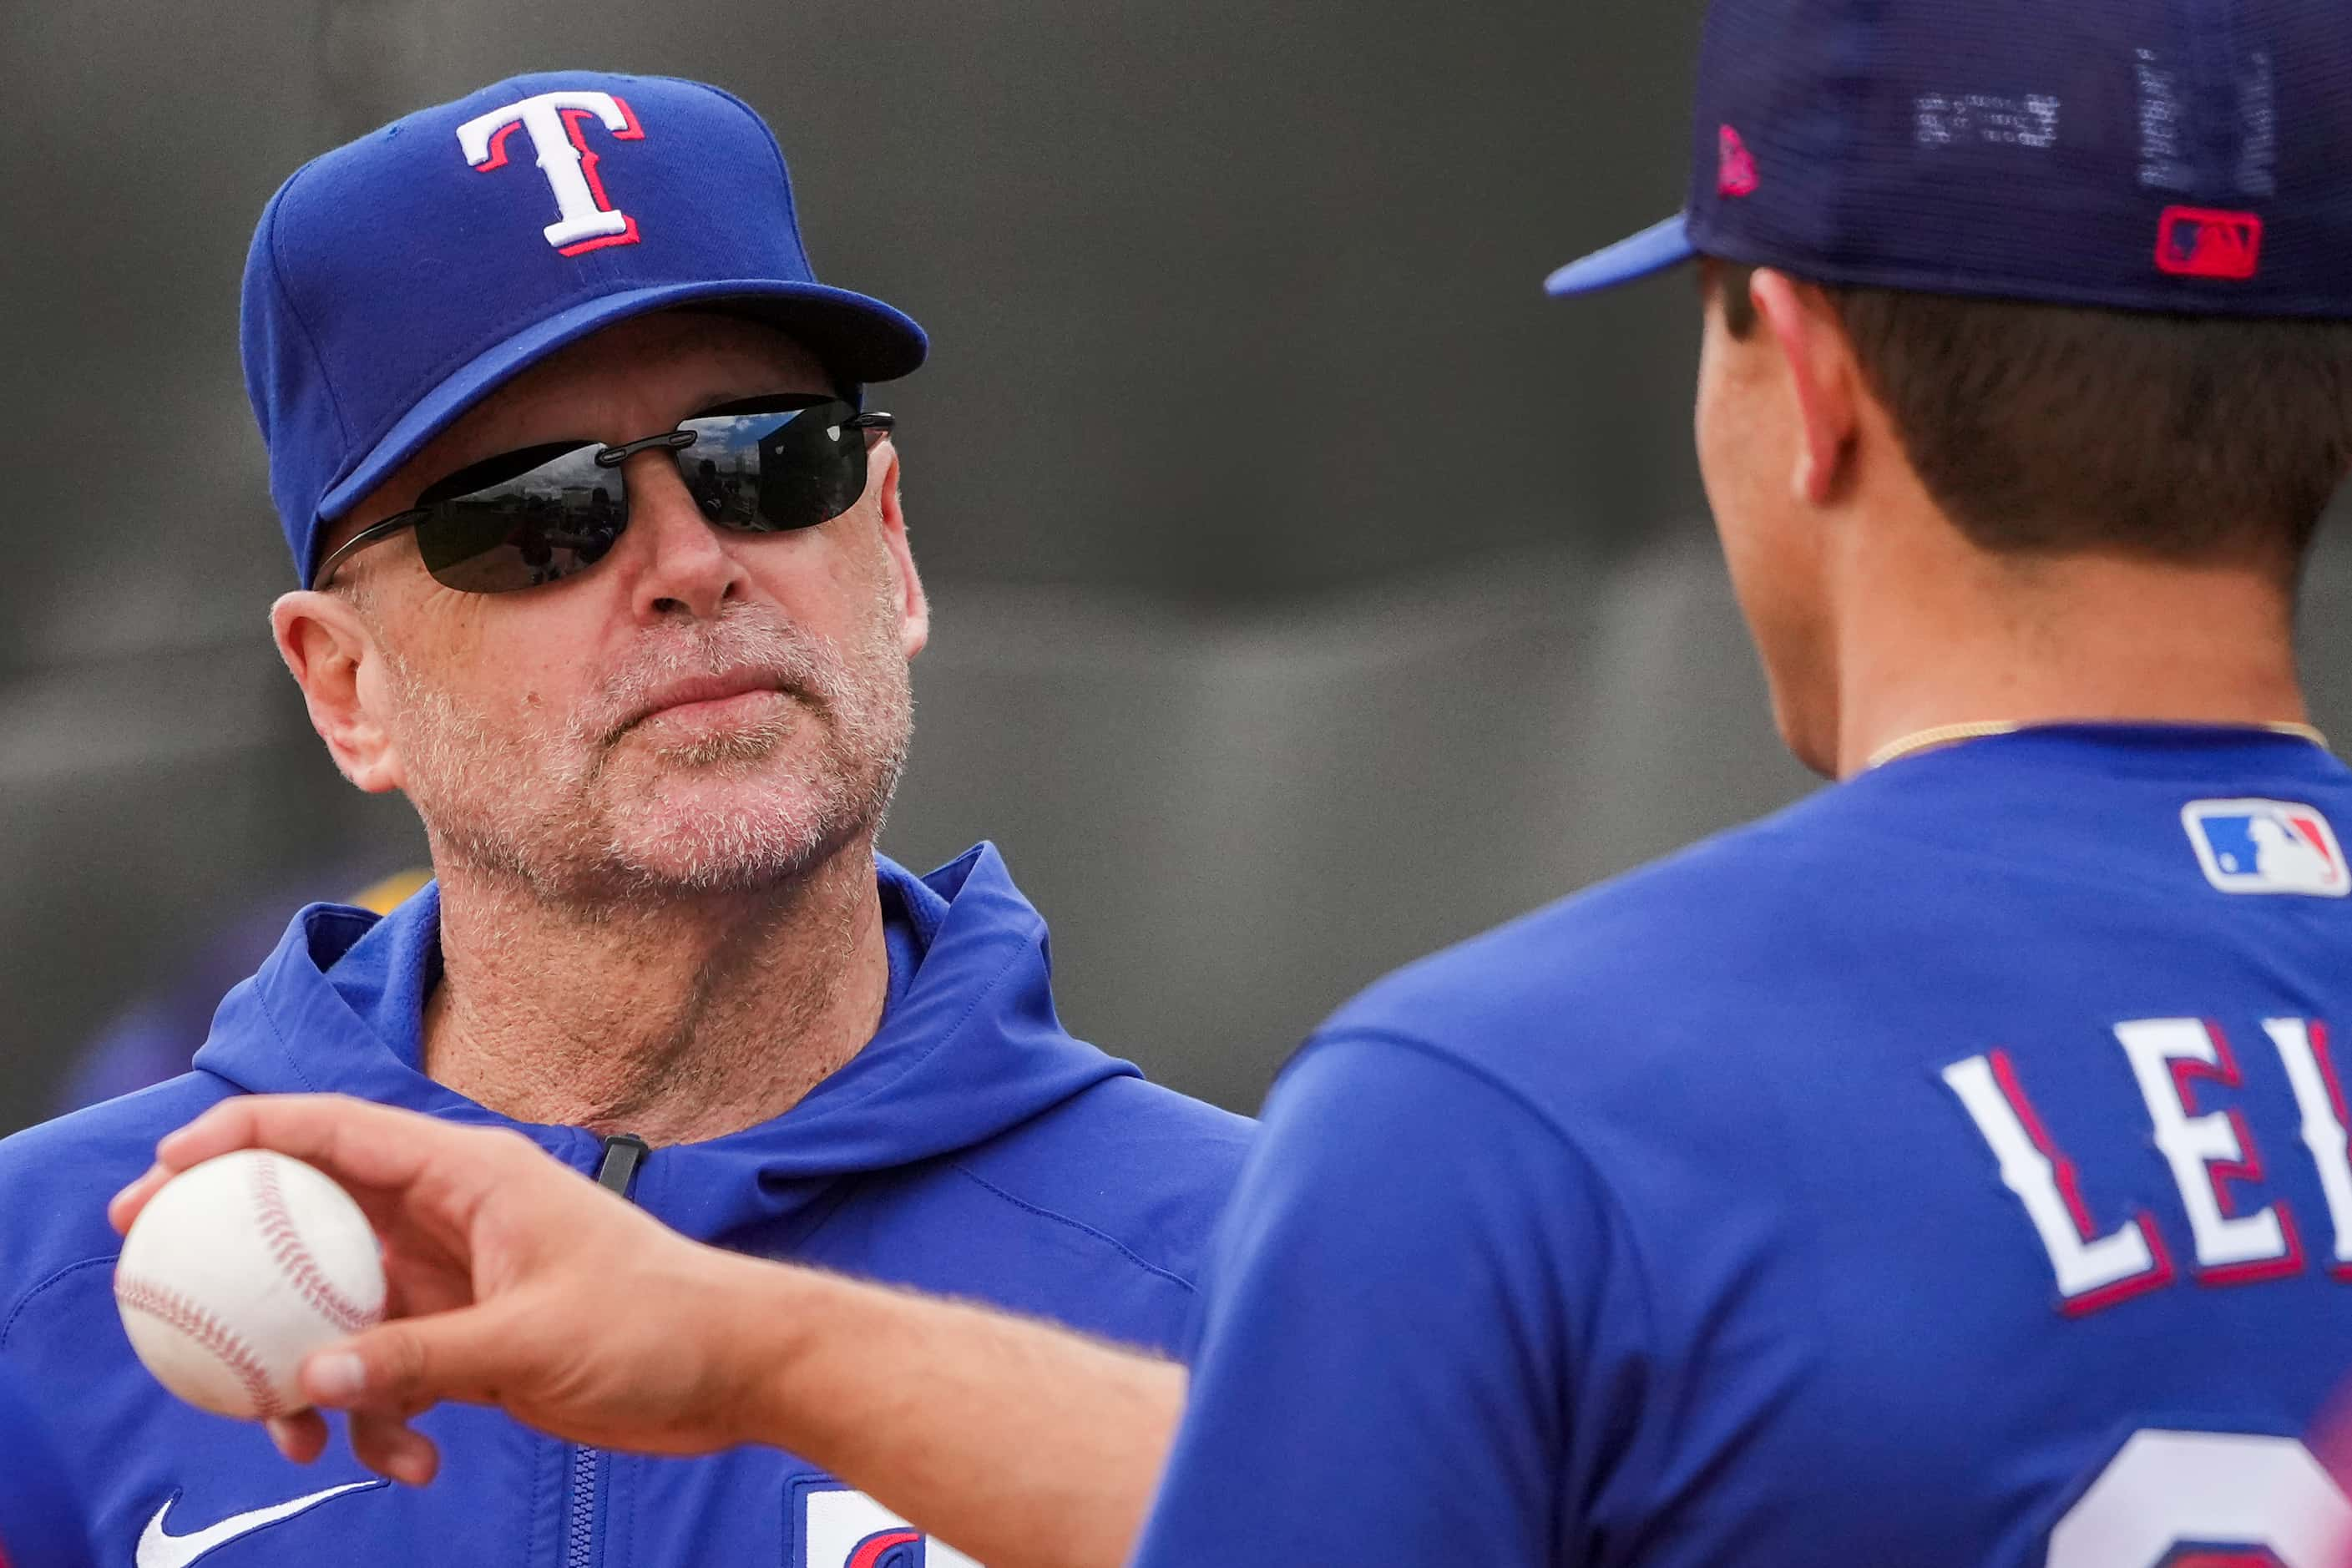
(1947,734)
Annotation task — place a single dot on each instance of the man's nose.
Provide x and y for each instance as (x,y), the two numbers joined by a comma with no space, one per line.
(682,565)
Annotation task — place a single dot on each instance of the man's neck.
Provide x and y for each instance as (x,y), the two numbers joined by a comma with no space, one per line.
(1979,639)
(678,1019)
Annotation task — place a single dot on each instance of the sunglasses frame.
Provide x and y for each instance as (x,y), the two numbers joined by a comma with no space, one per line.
(676,439)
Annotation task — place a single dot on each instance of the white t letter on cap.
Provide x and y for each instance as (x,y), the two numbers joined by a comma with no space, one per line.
(570,168)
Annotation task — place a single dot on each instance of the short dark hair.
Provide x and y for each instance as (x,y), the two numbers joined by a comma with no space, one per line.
(2051,428)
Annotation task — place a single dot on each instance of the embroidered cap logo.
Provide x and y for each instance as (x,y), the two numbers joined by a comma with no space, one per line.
(1735,165)
(2192,242)
(553,121)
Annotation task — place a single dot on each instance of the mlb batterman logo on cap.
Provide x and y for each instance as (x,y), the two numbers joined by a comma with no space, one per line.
(397,280)
(2134,155)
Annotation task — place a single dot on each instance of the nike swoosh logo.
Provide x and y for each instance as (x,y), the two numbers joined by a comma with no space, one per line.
(158,1548)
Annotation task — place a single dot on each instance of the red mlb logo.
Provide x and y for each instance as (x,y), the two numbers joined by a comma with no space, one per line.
(1735,164)
(2195,242)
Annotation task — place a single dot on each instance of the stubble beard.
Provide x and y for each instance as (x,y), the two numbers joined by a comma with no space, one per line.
(595,812)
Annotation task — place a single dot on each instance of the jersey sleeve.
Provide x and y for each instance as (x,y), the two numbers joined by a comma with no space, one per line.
(1384,1358)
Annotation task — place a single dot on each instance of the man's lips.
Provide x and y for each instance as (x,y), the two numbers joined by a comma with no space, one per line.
(709,696)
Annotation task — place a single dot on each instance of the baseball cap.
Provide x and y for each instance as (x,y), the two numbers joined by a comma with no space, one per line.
(2135,154)
(397,280)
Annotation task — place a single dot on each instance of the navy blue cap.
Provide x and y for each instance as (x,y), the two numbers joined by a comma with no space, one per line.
(2183,156)
(396,281)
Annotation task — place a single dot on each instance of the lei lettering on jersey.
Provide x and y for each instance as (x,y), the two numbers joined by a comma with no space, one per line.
(2210,1154)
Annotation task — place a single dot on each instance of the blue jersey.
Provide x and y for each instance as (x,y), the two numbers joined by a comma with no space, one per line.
(1951,1170)
(973,1148)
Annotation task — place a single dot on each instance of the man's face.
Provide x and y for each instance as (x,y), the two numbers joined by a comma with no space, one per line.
(1749,438)
(701,709)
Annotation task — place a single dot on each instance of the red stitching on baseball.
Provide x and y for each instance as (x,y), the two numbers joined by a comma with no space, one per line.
(169,1307)
(293,1257)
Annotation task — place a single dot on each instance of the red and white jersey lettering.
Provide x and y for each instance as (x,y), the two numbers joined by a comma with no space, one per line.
(2318,1093)
(2237,1233)
(2092,1270)
(2208,1152)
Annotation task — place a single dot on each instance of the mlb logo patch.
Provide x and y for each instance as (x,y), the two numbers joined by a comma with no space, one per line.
(2195,242)
(1735,165)
(2266,847)
(835,1526)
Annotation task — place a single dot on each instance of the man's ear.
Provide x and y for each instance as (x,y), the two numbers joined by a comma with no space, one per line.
(332,655)
(914,608)
(1823,378)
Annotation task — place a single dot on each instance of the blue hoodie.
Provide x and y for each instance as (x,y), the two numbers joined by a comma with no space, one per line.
(40,1514)
(971,1148)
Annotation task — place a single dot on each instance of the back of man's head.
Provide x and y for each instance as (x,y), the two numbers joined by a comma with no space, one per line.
(2054,314)
(2041,430)
(2090,256)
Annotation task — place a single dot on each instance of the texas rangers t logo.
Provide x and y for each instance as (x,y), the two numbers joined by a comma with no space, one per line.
(553,120)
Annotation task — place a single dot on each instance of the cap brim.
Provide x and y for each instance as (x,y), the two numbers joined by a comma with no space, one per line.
(858,339)
(1650,252)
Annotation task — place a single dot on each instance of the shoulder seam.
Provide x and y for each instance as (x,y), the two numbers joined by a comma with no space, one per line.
(1374,1034)
(1111,1241)
(9,1327)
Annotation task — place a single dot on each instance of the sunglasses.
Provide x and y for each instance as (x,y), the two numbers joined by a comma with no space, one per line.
(766,464)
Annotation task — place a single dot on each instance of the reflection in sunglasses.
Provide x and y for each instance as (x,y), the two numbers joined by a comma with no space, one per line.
(546,512)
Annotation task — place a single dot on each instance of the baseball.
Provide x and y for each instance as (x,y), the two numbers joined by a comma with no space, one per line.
(237,1269)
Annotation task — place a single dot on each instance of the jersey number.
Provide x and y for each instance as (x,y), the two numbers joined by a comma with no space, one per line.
(2207,1500)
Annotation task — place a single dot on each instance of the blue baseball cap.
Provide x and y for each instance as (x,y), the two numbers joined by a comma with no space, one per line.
(2193,156)
(397,280)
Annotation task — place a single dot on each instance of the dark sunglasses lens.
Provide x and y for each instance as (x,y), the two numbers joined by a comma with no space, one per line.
(773,472)
(521,520)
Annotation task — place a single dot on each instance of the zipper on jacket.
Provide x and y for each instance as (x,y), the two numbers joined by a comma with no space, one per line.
(617,1170)
(624,1152)
(579,1529)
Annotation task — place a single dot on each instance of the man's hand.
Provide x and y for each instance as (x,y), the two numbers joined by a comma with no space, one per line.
(516,1282)
(513,1280)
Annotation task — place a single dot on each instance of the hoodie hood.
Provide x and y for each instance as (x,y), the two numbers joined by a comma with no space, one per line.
(969,1048)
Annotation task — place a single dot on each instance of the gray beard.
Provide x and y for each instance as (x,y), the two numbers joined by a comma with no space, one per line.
(492,804)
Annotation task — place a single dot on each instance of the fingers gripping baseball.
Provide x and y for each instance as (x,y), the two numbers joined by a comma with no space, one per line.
(510,1283)
(431,1175)
(412,1363)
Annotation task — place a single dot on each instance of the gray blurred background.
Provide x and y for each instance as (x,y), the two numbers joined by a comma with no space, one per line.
(1310,590)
